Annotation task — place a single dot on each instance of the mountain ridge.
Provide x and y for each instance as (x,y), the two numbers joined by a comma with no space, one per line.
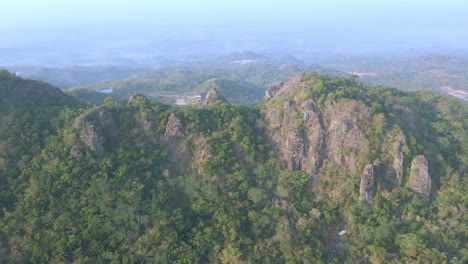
(146,182)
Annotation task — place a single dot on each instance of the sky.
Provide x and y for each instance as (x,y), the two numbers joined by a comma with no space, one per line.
(340,25)
(24,14)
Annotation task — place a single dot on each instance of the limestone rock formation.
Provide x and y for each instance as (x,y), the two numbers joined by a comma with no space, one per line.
(395,168)
(347,121)
(177,146)
(367,187)
(419,178)
(93,138)
(307,136)
(213,97)
(315,131)
(284,87)
(174,128)
(94,128)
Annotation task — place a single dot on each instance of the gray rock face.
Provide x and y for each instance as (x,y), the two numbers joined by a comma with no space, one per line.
(294,143)
(367,187)
(93,138)
(419,179)
(395,169)
(177,146)
(93,129)
(307,137)
(174,128)
(288,136)
(213,97)
(284,87)
(314,130)
(345,133)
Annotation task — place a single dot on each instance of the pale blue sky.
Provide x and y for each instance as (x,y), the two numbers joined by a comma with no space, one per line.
(107,27)
(34,13)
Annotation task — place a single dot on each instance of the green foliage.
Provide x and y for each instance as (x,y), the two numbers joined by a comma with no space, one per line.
(217,193)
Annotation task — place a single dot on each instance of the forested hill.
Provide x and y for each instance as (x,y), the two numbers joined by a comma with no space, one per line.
(18,91)
(325,170)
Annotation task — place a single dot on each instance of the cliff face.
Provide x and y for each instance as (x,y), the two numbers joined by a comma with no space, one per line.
(307,136)
(174,128)
(419,180)
(333,139)
(346,132)
(96,129)
(284,88)
(177,147)
(367,187)
(213,97)
(394,172)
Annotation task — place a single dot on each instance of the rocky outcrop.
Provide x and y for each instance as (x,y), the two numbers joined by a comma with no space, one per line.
(307,137)
(174,128)
(294,139)
(367,187)
(315,147)
(95,129)
(419,178)
(214,97)
(301,147)
(283,88)
(395,168)
(93,138)
(178,148)
(348,120)
(134,98)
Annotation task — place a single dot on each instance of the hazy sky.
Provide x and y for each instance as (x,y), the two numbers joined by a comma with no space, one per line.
(33,13)
(259,25)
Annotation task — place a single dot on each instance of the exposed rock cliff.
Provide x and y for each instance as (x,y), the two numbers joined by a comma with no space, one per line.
(395,168)
(331,137)
(348,120)
(213,97)
(315,131)
(419,179)
(367,187)
(95,129)
(284,87)
(174,128)
(307,136)
(178,149)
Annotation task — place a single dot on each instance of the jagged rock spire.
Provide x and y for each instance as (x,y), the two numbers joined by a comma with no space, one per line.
(213,97)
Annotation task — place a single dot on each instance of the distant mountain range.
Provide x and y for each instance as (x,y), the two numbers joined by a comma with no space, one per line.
(166,80)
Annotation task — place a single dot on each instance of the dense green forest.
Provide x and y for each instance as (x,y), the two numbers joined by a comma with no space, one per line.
(168,83)
(144,182)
